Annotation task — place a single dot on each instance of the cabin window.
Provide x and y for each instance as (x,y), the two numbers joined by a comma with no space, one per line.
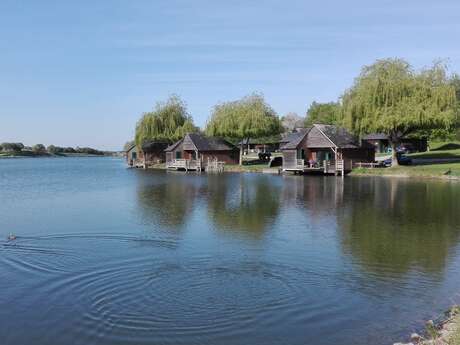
(178,155)
(134,155)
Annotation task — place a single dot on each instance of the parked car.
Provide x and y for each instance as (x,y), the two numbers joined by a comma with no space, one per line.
(402,160)
(264,156)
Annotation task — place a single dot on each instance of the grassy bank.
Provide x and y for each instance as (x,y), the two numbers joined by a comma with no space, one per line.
(438,154)
(246,168)
(448,332)
(32,154)
(450,170)
(440,150)
(455,339)
(23,154)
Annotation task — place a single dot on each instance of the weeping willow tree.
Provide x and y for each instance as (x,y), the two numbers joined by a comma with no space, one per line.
(324,113)
(390,97)
(249,117)
(168,122)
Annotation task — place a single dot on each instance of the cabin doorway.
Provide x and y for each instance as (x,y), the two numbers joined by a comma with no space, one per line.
(301,154)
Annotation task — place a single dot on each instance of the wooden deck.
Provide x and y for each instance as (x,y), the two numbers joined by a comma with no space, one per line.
(185,164)
(326,167)
(195,165)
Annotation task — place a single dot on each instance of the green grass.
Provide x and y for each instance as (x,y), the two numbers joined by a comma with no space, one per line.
(436,154)
(455,339)
(439,150)
(432,170)
(444,145)
(245,168)
(23,154)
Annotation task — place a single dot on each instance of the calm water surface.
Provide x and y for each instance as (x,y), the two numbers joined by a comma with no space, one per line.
(106,255)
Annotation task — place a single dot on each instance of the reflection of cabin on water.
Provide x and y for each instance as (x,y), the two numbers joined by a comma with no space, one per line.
(197,152)
(324,148)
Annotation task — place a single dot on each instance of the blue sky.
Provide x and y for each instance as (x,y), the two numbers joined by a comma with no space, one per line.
(82,72)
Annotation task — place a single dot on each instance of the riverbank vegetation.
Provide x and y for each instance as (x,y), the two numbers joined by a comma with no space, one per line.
(390,97)
(168,122)
(249,117)
(440,150)
(447,170)
(455,339)
(39,150)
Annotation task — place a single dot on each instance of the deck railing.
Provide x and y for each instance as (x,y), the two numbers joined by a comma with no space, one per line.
(366,165)
(213,165)
(187,164)
(300,163)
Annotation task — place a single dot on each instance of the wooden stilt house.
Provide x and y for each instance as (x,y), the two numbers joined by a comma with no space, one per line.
(324,148)
(198,152)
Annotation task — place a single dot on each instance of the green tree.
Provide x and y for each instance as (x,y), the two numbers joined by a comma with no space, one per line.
(12,147)
(249,117)
(324,113)
(169,121)
(39,148)
(391,98)
(54,149)
(291,121)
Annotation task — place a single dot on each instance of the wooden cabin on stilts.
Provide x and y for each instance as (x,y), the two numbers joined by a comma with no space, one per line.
(196,152)
(324,149)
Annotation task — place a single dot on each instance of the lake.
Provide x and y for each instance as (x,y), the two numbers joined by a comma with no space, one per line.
(109,255)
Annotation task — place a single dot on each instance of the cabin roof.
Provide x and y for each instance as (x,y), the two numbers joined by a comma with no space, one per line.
(286,138)
(375,136)
(203,143)
(337,136)
(293,139)
(173,146)
(274,139)
(154,146)
(131,147)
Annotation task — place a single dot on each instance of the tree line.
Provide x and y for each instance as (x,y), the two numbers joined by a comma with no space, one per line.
(51,149)
(389,97)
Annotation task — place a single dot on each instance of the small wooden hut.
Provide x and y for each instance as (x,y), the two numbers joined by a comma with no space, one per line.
(324,148)
(198,152)
(153,153)
(264,144)
(131,155)
(381,143)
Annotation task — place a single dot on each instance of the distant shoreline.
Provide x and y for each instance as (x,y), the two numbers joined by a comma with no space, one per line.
(48,155)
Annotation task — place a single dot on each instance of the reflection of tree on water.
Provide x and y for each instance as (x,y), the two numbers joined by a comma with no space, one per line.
(168,203)
(243,204)
(394,225)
